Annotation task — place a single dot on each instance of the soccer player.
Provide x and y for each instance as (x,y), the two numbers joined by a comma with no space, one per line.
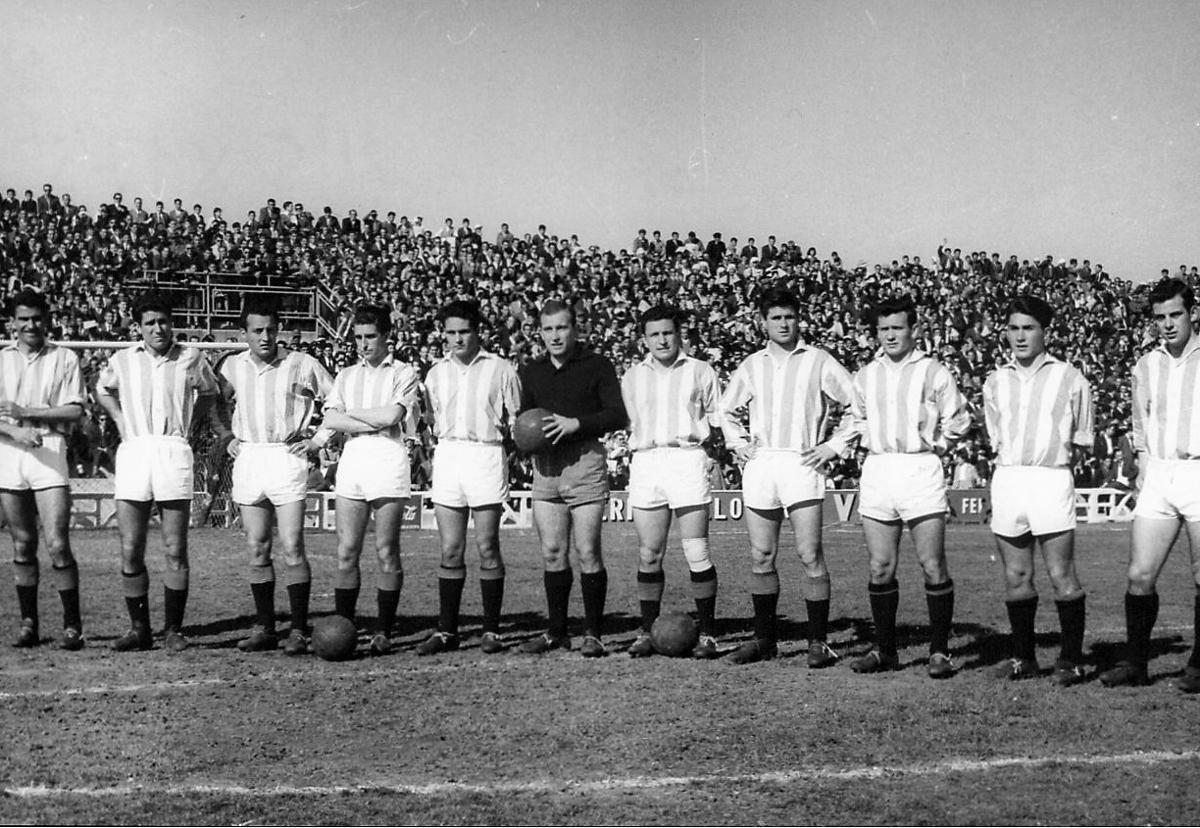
(1166,436)
(672,402)
(789,388)
(273,391)
(570,479)
(369,404)
(474,396)
(152,391)
(41,394)
(908,412)
(1037,409)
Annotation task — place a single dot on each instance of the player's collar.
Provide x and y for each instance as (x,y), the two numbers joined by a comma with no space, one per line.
(915,355)
(799,348)
(388,361)
(1193,345)
(652,363)
(482,353)
(171,352)
(1047,358)
(47,347)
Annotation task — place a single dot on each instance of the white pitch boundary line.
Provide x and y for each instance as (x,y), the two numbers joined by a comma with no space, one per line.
(617,784)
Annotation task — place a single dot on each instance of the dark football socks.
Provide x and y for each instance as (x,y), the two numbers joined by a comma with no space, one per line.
(491,593)
(764,593)
(450,591)
(650,591)
(1072,616)
(1194,660)
(66,579)
(885,600)
(594,586)
(175,595)
(136,587)
(939,600)
(299,587)
(26,576)
(558,598)
(1141,611)
(1022,616)
(346,587)
(816,602)
(387,600)
(704,592)
(262,587)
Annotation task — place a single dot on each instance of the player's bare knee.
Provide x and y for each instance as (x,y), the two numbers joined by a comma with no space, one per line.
(882,570)
(1142,581)
(59,552)
(935,571)
(650,560)
(590,559)
(489,555)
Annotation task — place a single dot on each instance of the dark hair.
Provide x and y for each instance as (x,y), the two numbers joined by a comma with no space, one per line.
(462,309)
(378,315)
(1031,305)
(1167,289)
(554,306)
(778,297)
(28,298)
(152,301)
(258,304)
(660,313)
(890,307)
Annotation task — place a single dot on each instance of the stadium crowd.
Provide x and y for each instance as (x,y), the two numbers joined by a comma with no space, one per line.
(90,264)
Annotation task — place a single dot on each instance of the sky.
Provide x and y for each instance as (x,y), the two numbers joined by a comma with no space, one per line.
(875,129)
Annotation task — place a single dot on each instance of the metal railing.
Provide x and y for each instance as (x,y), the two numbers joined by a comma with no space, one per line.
(211,301)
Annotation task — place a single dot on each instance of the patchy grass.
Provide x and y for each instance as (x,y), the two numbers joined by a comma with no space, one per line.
(215,736)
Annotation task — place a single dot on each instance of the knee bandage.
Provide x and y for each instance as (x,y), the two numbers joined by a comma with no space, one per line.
(696,552)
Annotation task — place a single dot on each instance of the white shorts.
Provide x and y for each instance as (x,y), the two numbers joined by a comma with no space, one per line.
(467,474)
(373,467)
(1170,491)
(154,468)
(44,467)
(675,477)
(778,478)
(902,487)
(268,471)
(1032,499)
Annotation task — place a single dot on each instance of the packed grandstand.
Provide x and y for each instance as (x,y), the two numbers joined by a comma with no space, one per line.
(91,265)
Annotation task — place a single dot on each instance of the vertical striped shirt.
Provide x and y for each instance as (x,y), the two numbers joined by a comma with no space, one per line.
(274,402)
(391,382)
(675,405)
(1166,403)
(475,402)
(911,407)
(157,393)
(790,400)
(45,379)
(1033,418)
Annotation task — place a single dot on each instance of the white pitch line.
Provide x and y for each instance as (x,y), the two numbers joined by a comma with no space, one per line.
(627,783)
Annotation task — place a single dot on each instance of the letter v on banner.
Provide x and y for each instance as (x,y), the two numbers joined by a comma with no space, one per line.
(843,504)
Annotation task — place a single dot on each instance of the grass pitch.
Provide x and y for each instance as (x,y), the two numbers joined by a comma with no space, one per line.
(215,736)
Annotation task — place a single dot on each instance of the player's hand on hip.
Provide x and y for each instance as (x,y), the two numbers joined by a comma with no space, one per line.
(28,438)
(557,427)
(817,456)
(745,452)
(301,448)
(8,408)
(233,447)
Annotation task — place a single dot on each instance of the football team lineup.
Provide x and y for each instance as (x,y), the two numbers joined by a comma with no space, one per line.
(903,409)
